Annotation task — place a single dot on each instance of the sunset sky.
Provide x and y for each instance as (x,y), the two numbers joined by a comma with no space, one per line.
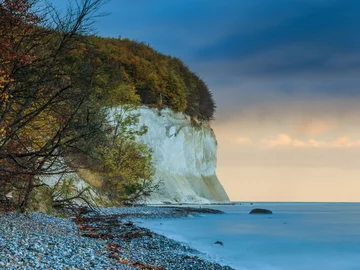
(285,76)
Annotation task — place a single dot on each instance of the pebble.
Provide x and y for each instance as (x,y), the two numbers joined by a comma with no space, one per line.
(41,241)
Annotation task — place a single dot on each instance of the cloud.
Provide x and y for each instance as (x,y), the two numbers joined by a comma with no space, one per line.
(324,27)
(345,142)
(284,140)
(342,141)
(280,140)
(243,140)
(308,126)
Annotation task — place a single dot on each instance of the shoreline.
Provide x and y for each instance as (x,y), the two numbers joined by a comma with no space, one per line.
(107,240)
(169,203)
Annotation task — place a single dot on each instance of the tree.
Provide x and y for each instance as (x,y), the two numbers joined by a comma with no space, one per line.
(126,165)
(42,99)
(56,87)
(159,80)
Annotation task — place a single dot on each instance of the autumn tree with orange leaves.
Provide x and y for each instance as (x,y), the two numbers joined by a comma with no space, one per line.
(43,99)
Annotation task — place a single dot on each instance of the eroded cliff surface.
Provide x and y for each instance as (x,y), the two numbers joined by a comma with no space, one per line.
(184,156)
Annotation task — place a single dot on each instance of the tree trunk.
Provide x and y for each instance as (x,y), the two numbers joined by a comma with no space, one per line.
(25,204)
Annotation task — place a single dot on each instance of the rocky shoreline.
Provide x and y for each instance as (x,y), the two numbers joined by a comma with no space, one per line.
(108,239)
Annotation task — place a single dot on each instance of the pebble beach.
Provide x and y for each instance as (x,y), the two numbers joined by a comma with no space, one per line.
(109,239)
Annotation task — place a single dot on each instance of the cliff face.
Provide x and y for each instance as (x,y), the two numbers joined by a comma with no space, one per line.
(184,157)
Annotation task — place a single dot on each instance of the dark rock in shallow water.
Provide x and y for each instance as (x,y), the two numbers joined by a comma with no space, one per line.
(188,210)
(129,223)
(260,211)
(166,202)
(219,243)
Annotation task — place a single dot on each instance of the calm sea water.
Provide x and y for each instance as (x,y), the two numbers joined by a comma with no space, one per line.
(324,236)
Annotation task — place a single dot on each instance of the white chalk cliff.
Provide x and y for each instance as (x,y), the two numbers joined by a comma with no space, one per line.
(184,157)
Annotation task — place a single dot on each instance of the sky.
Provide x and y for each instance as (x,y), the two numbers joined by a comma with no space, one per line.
(285,75)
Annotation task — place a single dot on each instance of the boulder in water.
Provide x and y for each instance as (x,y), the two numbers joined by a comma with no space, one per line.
(166,202)
(260,211)
(219,243)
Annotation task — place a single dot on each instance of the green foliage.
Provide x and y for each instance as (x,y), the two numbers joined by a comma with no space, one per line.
(124,66)
(121,94)
(65,189)
(125,165)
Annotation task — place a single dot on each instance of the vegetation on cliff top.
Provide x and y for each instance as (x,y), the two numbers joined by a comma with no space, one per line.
(157,79)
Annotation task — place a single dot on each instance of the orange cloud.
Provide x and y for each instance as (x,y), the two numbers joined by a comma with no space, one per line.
(284,140)
(280,140)
(342,141)
(243,140)
(315,127)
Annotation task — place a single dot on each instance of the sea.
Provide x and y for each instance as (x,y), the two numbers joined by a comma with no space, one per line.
(297,236)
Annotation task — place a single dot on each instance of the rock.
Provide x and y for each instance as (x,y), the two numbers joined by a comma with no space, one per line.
(219,243)
(166,202)
(129,223)
(260,211)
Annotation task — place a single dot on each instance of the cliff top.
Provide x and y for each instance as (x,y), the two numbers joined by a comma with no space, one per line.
(157,79)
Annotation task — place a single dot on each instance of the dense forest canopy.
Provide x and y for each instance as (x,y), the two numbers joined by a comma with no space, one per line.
(158,79)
